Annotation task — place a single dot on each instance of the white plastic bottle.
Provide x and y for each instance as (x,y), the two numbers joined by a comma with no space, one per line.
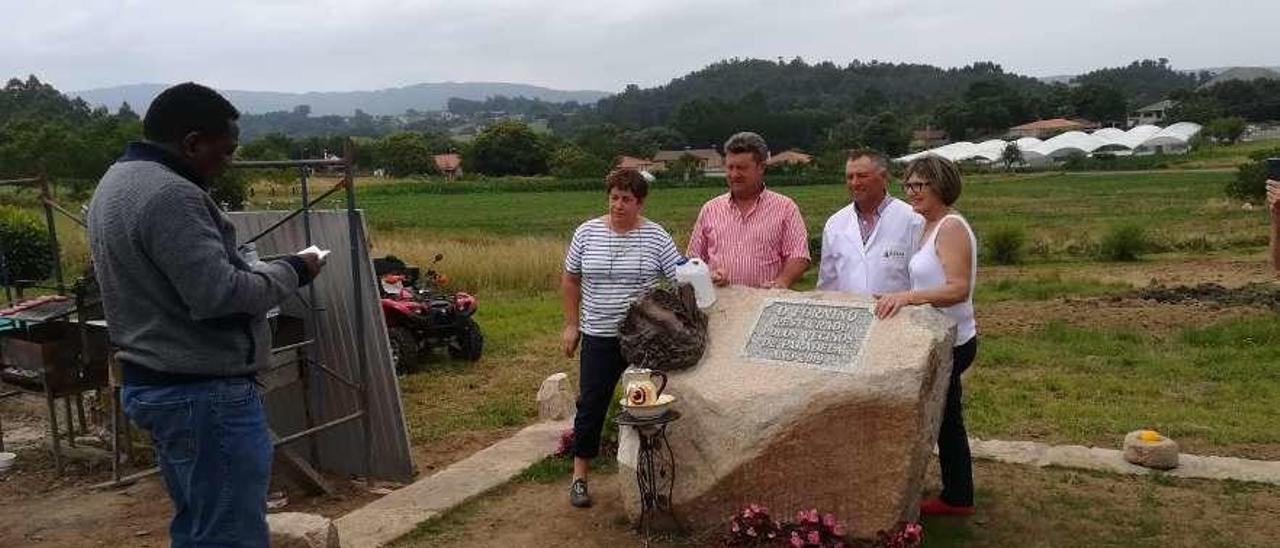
(695,272)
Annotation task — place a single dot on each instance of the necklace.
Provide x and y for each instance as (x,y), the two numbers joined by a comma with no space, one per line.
(620,245)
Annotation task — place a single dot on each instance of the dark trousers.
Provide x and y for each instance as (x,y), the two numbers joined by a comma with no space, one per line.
(953,440)
(214,450)
(600,365)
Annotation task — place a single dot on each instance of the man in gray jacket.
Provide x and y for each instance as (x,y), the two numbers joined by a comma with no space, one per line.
(189,316)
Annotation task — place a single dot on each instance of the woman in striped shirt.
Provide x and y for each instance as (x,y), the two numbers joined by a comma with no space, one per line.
(611,260)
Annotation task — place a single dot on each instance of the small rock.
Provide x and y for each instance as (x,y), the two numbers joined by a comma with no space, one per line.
(380,491)
(1161,453)
(299,530)
(277,500)
(142,533)
(556,400)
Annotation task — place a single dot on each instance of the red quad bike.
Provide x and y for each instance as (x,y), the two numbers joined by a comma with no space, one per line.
(419,320)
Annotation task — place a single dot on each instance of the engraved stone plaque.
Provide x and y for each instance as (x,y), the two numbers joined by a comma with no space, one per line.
(823,334)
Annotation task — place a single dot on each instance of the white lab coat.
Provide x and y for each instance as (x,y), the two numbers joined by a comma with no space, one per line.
(879,266)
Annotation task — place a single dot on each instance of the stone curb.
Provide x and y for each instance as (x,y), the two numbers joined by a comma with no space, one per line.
(1112,460)
(395,515)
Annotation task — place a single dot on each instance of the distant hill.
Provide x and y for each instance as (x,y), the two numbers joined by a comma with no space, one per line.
(1066,78)
(1242,73)
(390,101)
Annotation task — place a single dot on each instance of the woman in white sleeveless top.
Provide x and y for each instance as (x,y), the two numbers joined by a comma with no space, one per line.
(942,272)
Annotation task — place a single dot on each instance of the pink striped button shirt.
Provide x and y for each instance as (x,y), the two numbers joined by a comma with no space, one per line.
(750,248)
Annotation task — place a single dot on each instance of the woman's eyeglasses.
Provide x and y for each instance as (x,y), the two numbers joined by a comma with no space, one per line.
(913,188)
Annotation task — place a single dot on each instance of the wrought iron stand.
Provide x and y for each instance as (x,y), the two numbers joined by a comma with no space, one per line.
(655,466)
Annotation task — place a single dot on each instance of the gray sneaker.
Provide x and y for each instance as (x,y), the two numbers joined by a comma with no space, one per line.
(578,495)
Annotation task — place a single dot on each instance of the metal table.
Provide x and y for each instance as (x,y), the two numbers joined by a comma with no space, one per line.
(655,466)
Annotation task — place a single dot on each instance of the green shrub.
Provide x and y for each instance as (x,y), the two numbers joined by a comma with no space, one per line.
(1195,244)
(1125,242)
(1040,247)
(1005,244)
(1250,182)
(1102,161)
(25,243)
(231,189)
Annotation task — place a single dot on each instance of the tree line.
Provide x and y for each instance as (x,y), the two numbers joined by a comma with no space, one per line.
(820,108)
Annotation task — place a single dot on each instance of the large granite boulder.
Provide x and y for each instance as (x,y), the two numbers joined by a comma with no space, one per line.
(801,401)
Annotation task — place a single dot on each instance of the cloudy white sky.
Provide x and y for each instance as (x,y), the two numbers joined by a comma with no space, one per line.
(326,45)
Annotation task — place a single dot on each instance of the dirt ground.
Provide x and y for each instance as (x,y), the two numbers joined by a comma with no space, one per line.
(43,510)
(1018,506)
(1123,313)
(433,457)
(1230,271)
(1167,296)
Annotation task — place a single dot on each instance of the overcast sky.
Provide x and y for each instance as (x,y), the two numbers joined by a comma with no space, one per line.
(325,45)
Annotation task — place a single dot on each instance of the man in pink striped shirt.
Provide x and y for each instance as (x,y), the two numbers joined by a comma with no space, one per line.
(751,235)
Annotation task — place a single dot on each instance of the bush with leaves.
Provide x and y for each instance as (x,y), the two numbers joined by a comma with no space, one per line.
(1004,245)
(1124,242)
(24,241)
(507,148)
(404,153)
(230,189)
(1250,182)
(1226,130)
(572,162)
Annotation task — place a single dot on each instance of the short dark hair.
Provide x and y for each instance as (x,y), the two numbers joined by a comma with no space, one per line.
(627,179)
(747,141)
(941,173)
(876,156)
(185,108)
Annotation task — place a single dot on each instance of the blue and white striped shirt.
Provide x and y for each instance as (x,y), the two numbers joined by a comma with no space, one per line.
(616,268)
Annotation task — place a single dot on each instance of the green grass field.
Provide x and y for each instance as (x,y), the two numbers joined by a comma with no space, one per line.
(513,240)
(1054,208)
(1061,380)
(1067,353)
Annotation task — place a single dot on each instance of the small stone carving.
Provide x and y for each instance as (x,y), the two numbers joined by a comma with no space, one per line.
(556,400)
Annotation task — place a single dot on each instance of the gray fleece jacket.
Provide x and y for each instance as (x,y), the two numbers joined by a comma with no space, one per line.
(179,300)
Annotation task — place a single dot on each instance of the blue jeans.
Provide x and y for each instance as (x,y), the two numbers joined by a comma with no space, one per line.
(214,449)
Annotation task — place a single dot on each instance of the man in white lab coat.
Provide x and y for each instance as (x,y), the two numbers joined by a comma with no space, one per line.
(867,244)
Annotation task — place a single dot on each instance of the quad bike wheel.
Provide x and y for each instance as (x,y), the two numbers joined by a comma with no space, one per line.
(468,344)
(404,350)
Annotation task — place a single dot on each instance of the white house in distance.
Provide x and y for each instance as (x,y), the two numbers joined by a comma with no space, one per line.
(1138,141)
(1152,114)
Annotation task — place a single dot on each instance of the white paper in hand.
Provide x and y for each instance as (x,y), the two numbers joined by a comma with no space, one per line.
(319,253)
